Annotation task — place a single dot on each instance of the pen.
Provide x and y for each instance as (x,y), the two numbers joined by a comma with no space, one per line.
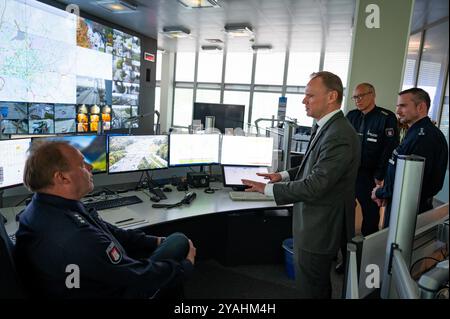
(125,220)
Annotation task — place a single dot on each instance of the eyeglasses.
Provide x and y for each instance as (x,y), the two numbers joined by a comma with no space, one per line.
(358,98)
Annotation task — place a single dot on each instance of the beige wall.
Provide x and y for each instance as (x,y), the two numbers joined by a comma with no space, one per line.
(378,54)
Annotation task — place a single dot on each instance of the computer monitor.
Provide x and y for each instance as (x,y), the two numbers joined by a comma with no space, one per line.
(137,153)
(194,149)
(226,115)
(14,154)
(93,148)
(247,150)
(233,175)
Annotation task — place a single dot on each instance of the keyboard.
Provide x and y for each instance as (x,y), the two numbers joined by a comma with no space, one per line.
(115,202)
(249,196)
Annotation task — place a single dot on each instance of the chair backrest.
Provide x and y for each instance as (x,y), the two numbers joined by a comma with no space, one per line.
(10,286)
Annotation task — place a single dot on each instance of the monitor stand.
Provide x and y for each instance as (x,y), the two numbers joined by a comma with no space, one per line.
(153,187)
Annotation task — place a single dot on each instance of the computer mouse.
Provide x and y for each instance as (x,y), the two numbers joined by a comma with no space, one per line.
(155,199)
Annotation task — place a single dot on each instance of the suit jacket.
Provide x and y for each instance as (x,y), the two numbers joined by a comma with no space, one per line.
(322,188)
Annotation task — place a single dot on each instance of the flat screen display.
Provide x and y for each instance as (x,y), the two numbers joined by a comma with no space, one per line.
(93,148)
(14,153)
(247,150)
(225,115)
(194,149)
(137,153)
(232,175)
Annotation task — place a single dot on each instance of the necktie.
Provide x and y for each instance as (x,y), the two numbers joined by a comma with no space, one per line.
(361,126)
(313,135)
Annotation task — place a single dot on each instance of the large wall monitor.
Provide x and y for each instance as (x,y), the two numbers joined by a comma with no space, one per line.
(247,150)
(194,149)
(137,153)
(226,115)
(54,60)
(93,148)
(14,154)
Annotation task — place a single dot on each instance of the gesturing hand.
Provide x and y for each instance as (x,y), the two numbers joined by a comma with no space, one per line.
(273,177)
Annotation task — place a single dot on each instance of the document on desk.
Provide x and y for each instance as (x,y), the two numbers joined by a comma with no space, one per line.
(123,217)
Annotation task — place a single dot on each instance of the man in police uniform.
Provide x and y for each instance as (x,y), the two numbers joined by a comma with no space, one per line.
(59,239)
(423,138)
(377,129)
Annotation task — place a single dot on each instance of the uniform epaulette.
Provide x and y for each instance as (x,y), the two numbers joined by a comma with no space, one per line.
(78,219)
(385,113)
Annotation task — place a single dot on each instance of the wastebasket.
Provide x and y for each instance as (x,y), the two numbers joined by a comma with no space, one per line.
(288,247)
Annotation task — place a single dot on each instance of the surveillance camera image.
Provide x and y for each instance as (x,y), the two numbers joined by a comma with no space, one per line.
(14,126)
(39,111)
(137,153)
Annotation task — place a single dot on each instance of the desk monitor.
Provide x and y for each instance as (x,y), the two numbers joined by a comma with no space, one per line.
(194,149)
(93,148)
(137,153)
(226,115)
(14,154)
(247,150)
(232,175)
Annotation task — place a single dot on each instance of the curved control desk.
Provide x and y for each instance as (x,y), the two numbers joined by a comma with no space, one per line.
(219,227)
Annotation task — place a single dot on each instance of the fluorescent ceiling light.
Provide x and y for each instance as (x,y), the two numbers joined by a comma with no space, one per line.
(239,30)
(198,4)
(117,6)
(211,47)
(260,47)
(176,32)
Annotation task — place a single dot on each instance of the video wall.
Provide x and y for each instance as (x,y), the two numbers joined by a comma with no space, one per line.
(60,73)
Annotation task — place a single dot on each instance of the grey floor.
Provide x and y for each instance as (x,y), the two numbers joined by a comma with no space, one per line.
(212,280)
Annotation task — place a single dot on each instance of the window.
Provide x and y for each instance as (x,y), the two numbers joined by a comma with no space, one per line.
(239,67)
(301,65)
(158,65)
(264,106)
(210,67)
(185,66)
(269,68)
(337,63)
(237,97)
(182,107)
(208,96)
(409,78)
(296,109)
(432,65)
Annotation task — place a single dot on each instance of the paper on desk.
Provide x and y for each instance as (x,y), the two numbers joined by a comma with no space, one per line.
(122,217)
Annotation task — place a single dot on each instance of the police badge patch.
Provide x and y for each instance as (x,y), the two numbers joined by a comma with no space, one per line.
(114,253)
(389,132)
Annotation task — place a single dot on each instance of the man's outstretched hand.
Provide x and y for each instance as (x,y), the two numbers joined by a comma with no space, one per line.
(273,177)
(254,186)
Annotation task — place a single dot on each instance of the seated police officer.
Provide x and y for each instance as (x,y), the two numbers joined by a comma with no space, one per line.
(58,238)
(424,139)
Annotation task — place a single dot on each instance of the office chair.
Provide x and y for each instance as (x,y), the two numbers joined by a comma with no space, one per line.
(10,286)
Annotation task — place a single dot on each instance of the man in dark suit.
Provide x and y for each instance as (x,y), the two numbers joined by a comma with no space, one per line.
(322,188)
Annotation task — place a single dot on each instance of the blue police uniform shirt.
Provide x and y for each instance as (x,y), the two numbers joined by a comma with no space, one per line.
(55,232)
(423,138)
(378,131)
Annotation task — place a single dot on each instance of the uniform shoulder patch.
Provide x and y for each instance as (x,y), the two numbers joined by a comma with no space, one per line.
(389,132)
(79,220)
(114,254)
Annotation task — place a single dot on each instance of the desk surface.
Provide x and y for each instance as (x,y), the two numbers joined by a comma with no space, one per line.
(144,214)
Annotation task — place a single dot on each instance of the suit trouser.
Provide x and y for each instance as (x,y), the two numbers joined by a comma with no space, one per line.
(313,275)
(370,210)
